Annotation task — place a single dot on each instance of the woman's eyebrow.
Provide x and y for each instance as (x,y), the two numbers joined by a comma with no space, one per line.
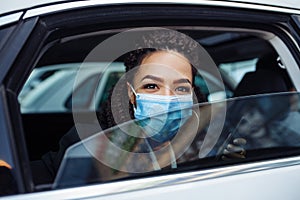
(153,78)
(183,80)
(178,81)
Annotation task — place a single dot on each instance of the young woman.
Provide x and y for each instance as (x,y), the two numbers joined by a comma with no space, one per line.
(158,92)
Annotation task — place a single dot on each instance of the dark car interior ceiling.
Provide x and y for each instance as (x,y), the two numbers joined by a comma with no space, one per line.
(222,46)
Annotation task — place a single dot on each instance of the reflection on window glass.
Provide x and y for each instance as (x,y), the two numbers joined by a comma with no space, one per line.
(260,127)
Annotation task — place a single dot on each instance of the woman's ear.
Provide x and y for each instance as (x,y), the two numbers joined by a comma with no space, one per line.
(130,93)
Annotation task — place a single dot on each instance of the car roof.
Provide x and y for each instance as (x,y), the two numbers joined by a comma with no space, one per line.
(20,5)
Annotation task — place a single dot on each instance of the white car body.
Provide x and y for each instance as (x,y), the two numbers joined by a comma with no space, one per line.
(275,179)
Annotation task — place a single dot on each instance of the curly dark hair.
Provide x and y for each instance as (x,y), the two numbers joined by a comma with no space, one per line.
(158,40)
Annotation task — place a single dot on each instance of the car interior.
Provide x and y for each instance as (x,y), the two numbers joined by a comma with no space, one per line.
(44,130)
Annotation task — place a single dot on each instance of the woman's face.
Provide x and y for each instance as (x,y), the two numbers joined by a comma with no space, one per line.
(163,73)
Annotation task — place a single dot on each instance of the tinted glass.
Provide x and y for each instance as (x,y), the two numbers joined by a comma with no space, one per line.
(268,124)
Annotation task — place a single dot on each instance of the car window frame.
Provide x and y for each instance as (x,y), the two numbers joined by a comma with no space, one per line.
(15,41)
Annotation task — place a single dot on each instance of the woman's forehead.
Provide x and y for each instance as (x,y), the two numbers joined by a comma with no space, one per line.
(168,55)
(166,63)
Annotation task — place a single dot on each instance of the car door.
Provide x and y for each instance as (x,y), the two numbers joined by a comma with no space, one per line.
(231,40)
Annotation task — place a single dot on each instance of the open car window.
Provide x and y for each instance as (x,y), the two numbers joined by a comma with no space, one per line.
(52,88)
(268,123)
(61,88)
(59,91)
(55,85)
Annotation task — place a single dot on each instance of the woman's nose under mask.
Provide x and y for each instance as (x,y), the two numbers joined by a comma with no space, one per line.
(162,116)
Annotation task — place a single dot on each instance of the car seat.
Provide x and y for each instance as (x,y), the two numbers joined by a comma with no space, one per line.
(267,78)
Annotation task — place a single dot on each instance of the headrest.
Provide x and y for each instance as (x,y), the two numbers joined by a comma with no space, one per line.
(259,82)
(268,61)
(269,77)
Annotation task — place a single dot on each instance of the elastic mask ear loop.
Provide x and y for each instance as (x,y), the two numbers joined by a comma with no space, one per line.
(132,89)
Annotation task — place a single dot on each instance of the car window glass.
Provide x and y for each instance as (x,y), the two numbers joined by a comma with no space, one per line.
(267,124)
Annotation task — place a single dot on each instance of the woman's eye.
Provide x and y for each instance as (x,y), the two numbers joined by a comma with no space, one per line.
(183,89)
(150,86)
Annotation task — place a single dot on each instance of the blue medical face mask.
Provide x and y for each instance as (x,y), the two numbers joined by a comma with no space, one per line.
(162,116)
